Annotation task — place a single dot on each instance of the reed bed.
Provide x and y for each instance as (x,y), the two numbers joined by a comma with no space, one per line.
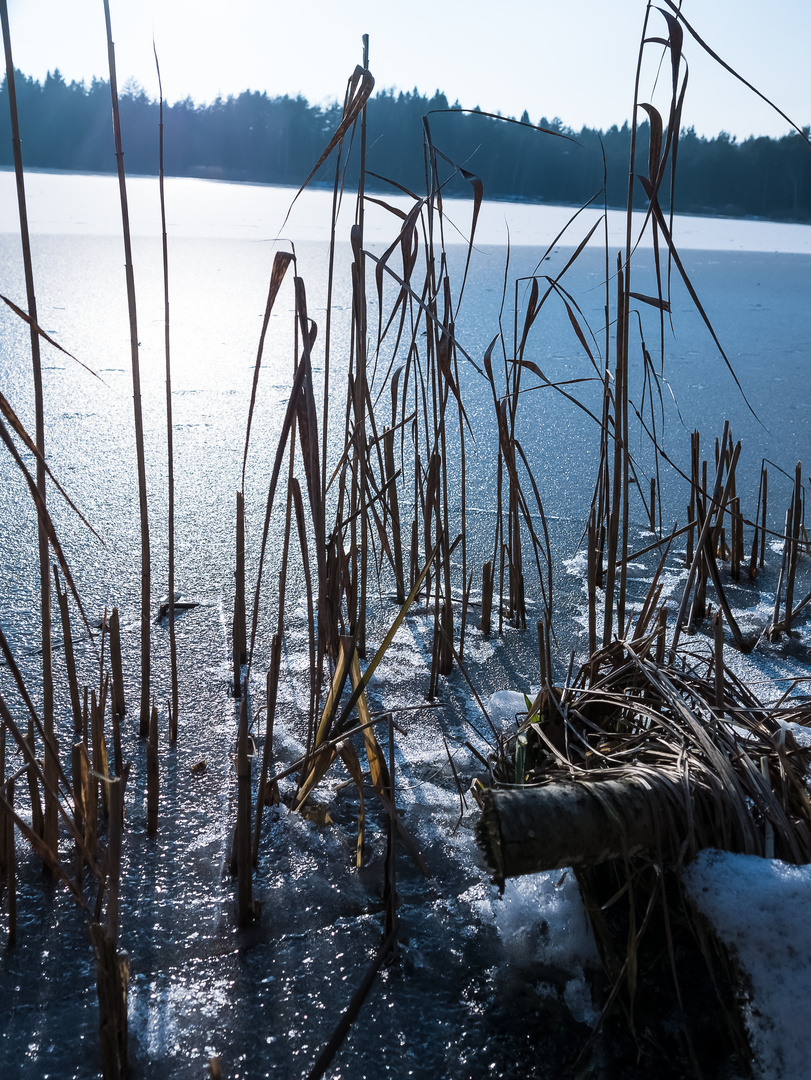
(388,511)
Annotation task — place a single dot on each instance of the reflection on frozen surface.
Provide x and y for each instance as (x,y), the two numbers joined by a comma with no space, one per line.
(481,980)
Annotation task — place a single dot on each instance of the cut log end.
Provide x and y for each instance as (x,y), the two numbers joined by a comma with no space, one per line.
(531,829)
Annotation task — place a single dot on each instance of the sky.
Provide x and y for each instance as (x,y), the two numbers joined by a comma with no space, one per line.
(573,60)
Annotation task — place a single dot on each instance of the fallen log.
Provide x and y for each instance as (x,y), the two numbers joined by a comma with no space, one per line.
(572,823)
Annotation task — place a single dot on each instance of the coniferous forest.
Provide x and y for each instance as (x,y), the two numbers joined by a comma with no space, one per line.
(257,138)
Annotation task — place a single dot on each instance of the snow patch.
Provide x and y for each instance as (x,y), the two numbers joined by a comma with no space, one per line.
(759,909)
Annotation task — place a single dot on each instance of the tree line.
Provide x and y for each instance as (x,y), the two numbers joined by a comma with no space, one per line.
(258,138)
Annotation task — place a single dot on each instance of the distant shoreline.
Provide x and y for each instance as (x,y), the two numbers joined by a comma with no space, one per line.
(62,201)
(316,185)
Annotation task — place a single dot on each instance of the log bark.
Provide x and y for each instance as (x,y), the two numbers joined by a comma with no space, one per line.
(578,823)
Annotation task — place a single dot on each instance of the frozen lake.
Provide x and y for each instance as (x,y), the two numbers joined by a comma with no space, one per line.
(267,999)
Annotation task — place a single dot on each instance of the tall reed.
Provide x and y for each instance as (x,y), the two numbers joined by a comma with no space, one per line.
(50,816)
(175,702)
(146,571)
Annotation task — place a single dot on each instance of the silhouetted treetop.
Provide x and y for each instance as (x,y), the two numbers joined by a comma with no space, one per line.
(259,138)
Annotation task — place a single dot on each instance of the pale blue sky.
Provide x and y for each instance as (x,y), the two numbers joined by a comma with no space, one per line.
(575,60)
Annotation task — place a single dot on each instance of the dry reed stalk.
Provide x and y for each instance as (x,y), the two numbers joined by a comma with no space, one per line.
(70,661)
(36,773)
(115,794)
(390,872)
(313,770)
(86,790)
(765,478)
(100,770)
(661,635)
(394,510)
(240,641)
(246,912)
(315,675)
(694,493)
(80,783)
(794,547)
(487,597)
(718,636)
(49,823)
(112,981)
(152,774)
(268,793)
(175,702)
(115,721)
(414,554)
(359,374)
(146,570)
(774,629)
(591,580)
(3,845)
(52,865)
(614,503)
(11,862)
(753,558)
(704,532)
(237,681)
(768,837)
(33,788)
(736,540)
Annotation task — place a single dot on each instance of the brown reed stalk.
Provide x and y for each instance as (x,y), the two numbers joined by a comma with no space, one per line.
(240,641)
(718,637)
(753,558)
(118,703)
(70,661)
(237,680)
(390,885)
(115,789)
(661,635)
(246,911)
(100,765)
(79,772)
(613,527)
(591,579)
(794,546)
(3,846)
(11,862)
(267,793)
(704,532)
(360,376)
(112,979)
(146,570)
(175,703)
(765,476)
(152,774)
(394,510)
(115,722)
(487,597)
(49,822)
